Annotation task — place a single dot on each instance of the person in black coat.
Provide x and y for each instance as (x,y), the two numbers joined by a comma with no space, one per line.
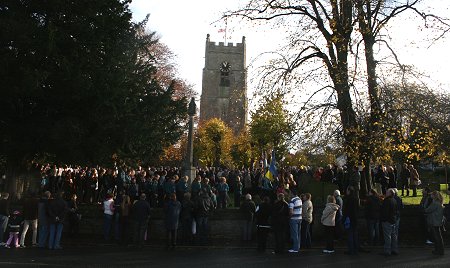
(404,179)
(187,218)
(263,215)
(172,211)
(372,213)
(280,222)
(203,208)
(4,216)
(350,218)
(57,209)
(248,209)
(388,217)
(141,215)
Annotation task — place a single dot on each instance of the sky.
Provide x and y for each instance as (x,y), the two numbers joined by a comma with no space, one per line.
(183,25)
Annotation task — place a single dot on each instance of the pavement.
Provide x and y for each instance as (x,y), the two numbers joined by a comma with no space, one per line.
(108,255)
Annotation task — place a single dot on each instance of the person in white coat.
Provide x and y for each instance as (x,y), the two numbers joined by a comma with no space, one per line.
(329,222)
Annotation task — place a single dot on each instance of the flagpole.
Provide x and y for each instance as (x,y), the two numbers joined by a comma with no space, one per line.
(226,26)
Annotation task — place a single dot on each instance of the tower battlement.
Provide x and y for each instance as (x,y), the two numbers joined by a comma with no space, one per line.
(210,43)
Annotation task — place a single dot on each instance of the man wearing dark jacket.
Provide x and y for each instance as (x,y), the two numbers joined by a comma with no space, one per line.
(4,215)
(57,209)
(203,208)
(263,214)
(248,208)
(350,215)
(389,214)
(141,215)
(372,212)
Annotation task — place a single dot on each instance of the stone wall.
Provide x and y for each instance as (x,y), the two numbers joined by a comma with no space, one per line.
(225,225)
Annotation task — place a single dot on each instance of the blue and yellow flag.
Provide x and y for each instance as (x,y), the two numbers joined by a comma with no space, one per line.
(272,173)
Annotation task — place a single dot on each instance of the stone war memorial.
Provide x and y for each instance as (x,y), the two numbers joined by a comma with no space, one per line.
(224,84)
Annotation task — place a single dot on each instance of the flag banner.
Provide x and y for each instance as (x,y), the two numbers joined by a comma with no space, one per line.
(272,172)
(269,175)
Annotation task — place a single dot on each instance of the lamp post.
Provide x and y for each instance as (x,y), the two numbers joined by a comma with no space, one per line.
(189,170)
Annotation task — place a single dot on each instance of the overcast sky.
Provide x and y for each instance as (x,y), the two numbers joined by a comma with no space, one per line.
(183,26)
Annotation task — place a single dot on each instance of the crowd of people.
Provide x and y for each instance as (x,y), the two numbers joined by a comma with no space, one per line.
(128,195)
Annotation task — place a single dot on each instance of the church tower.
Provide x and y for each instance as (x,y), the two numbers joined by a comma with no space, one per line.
(224,84)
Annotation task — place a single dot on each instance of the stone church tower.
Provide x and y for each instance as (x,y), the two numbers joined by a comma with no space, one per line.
(224,84)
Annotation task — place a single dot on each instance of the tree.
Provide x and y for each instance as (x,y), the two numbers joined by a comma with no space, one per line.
(213,143)
(271,126)
(79,84)
(241,150)
(416,123)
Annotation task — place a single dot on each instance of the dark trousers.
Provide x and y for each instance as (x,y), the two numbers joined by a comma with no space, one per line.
(352,240)
(262,234)
(414,189)
(280,239)
(306,234)
(124,230)
(171,238)
(247,230)
(139,232)
(237,200)
(373,227)
(329,233)
(222,200)
(186,230)
(404,187)
(202,229)
(438,242)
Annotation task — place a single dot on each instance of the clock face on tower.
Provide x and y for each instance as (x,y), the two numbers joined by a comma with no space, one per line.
(225,67)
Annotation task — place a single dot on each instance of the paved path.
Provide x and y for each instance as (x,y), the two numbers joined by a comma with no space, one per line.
(114,256)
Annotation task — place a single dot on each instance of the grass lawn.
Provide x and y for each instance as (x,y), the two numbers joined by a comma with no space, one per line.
(409,200)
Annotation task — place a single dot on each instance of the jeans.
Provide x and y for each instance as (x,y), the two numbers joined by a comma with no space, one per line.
(26,225)
(3,224)
(374,231)
(54,241)
(390,238)
(43,235)
(295,228)
(107,225)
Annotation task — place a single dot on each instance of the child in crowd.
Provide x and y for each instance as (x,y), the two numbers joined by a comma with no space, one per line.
(14,226)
